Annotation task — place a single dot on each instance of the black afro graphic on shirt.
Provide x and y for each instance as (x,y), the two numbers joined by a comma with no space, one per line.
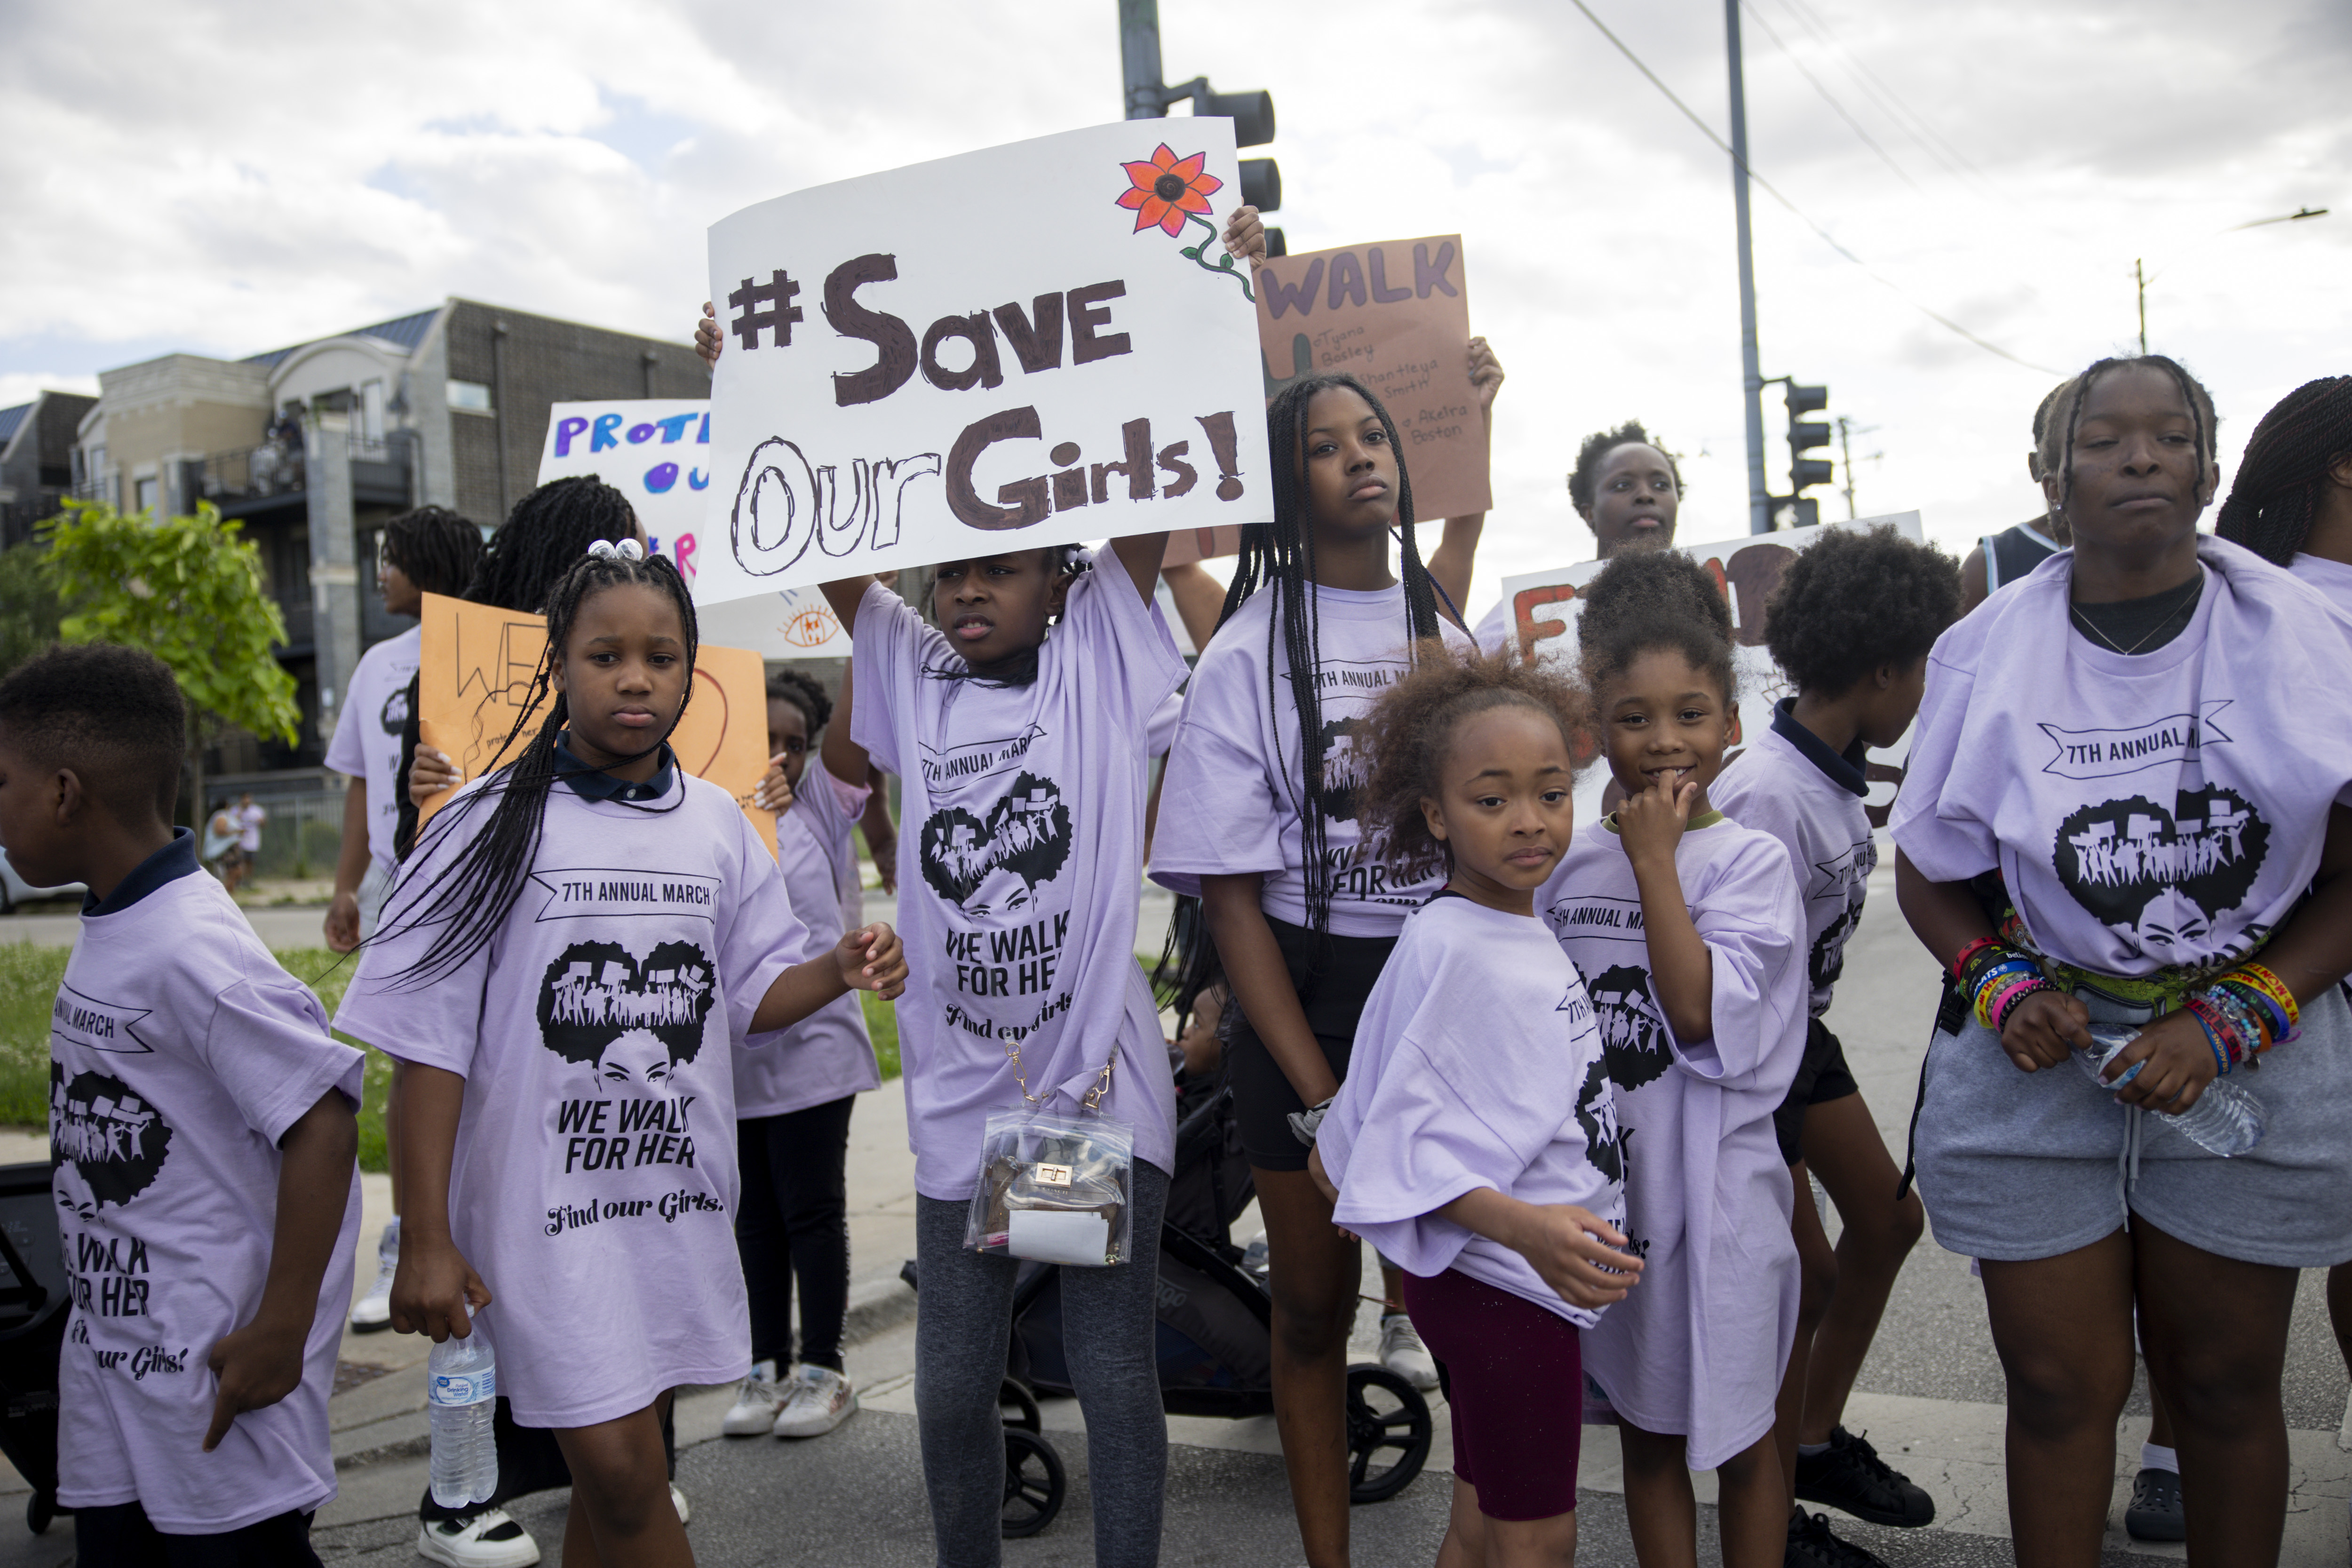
(1347,768)
(394,714)
(110,1138)
(2120,857)
(1633,1030)
(1026,834)
(596,993)
(1827,961)
(1596,1114)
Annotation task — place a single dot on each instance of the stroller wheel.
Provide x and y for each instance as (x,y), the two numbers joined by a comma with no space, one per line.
(1387,1433)
(1018,1407)
(1033,1483)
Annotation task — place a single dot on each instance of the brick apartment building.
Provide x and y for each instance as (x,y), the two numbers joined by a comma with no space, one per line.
(315,446)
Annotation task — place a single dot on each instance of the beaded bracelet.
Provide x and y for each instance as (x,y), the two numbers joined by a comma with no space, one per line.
(2273,994)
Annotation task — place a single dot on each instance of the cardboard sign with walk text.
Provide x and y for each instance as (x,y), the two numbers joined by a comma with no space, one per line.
(1395,315)
(1541,611)
(475,674)
(657,451)
(1030,345)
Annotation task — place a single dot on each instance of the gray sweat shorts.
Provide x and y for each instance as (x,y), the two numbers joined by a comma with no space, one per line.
(2015,1166)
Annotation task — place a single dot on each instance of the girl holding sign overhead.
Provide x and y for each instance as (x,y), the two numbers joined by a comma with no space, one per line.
(1017,725)
(1258,817)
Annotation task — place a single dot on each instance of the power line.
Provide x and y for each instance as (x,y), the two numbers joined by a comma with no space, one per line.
(1891,103)
(1826,239)
(1827,97)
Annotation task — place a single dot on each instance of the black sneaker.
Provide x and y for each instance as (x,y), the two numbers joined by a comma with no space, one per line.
(2155,1513)
(1850,1476)
(1810,1545)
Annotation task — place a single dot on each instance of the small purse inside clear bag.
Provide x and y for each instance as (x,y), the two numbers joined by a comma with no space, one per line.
(1056,1188)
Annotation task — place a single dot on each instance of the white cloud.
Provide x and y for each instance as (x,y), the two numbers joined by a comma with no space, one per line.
(275,173)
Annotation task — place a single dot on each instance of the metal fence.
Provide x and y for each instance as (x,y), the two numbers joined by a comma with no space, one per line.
(302,837)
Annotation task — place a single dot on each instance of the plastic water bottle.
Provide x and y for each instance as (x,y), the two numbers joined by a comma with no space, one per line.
(465,1383)
(2227,1120)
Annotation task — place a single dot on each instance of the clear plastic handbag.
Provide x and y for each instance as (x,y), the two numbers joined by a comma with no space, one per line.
(1056,1188)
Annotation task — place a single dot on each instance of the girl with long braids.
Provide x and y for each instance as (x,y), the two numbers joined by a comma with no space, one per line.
(1258,820)
(564,966)
(2122,808)
(2292,505)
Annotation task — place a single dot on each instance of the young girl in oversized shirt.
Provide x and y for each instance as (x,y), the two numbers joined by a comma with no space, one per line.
(1688,931)
(2149,740)
(1476,1138)
(563,967)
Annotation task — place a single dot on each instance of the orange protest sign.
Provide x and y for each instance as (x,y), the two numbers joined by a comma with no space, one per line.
(474,673)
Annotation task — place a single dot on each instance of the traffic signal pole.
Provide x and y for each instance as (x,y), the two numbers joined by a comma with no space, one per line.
(1139,57)
(1759,505)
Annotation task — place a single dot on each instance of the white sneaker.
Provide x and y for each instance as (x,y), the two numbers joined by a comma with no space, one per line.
(491,1538)
(373,1311)
(757,1405)
(1403,1352)
(817,1400)
(677,1501)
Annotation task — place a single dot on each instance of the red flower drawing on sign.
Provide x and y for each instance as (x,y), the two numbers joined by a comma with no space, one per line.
(1166,187)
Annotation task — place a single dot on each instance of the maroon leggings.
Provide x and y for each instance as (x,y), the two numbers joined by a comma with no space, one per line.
(1514,1378)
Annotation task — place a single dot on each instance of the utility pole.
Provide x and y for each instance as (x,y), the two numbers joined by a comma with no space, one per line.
(1759,506)
(2139,276)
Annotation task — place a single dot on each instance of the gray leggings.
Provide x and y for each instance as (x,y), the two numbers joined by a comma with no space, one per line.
(961,1331)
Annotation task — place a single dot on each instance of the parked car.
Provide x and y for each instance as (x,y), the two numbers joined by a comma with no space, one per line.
(14,889)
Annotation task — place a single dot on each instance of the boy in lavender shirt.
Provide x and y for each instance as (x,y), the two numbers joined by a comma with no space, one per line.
(202,1121)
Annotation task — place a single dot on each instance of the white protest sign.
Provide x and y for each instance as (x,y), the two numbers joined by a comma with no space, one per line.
(1543,610)
(1030,345)
(657,452)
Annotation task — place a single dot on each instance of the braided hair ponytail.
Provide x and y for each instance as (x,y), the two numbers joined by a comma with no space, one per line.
(470,897)
(2276,497)
(545,536)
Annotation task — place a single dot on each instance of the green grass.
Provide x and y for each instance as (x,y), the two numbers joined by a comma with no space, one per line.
(28,984)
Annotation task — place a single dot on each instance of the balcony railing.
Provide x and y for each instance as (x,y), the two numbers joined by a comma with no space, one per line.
(250,473)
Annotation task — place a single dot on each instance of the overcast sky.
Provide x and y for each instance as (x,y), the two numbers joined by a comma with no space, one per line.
(229,178)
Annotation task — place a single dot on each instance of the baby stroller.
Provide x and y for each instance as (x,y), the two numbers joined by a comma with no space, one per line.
(34,1297)
(1215,1336)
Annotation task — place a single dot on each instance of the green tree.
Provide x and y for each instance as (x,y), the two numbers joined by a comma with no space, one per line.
(189,591)
(29,607)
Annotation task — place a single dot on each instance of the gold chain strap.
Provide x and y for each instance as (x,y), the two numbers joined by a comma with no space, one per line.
(1091,1101)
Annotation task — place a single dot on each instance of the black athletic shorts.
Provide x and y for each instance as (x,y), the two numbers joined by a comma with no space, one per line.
(1332,978)
(120,1535)
(1821,1077)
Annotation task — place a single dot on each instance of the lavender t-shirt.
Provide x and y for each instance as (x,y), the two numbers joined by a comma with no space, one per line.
(2333,578)
(1697,1347)
(180,1054)
(1019,908)
(366,746)
(1477,1065)
(1782,785)
(1234,799)
(593,1184)
(827,1055)
(2160,809)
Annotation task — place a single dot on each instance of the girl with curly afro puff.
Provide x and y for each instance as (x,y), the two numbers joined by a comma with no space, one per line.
(1850,624)
(1447,1145)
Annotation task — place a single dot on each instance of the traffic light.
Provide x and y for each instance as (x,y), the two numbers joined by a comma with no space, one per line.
(1252,112)
(1804,435)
